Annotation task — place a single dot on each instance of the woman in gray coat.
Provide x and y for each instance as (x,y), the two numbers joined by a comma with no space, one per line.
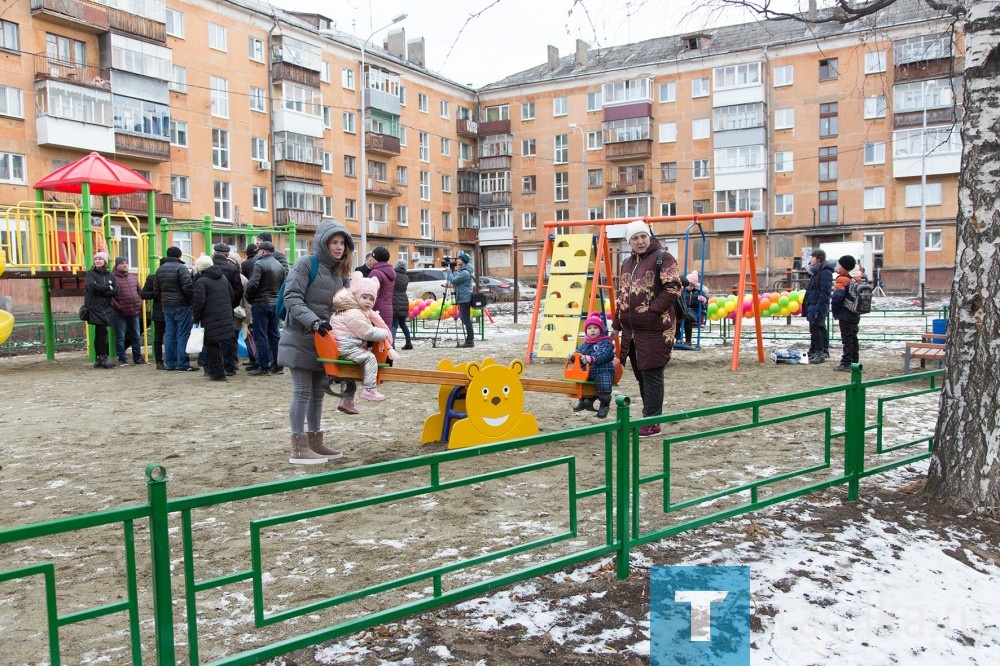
(308,304)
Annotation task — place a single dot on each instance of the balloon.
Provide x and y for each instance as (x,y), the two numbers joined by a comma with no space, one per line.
(765,303)
(713,300)
(794,306)
(783,312)
(775,307)
(712,307)
(783,301)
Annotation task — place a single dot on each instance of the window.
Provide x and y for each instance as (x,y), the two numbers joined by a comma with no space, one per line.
(220,96)
(180,188)
(923,48)
(527,110)
(528,184)
(828,69)
(259,198)
(595,177)
(561,153)
(178,133)
(594,101)
(828,164)
(327,162)
(402,136)
(422,102)
(828,125)
(920,95)
(529,221)
(12,169)
(217,37)
(223,201)
(668,172)
(326,206)
(465,151)
(700,128)
(562,186)
(668,92)
(874,62)
(401,176)
(527,147)
(736,76)
(783,76)
(350,166)
(700,168)
(699,87)
(498,112)
(424,139)
(327,113)
(350,209)
(875,107)
(874,198)
(728,201)
(783,204)
(324,76)
(425,223)
(828,207)
(175,23)
(628,206)
(875,152)
(734,248)
(347,122)
(932,239)
(445,111)
(932,195)
(11,102)
(701,206)
(668,208)
(425,185)
(560,107)
(403,216)
(220,149)
(402,95)
(783,161)
(668,132)
(877,240)
(445,146)
(784,119)
(255,49)
(595,213)
(347,78)
(258,100)
(445,182)
(258,148)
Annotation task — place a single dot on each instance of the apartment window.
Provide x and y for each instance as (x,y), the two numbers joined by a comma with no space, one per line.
(922,48)
(350,166)
(12,169)
(348,122)
(529,184)
(628,206)
(562,187)
(828,207)
(402,136)
(529,221)
(223,201)
(668,208)
(425,223)
(932,239)
(178,79)
(258,148)
(728,201)
(875,152)
(932,195)
(783,76)
(445,111)
(874,62)
(783,161)
(527,147)
(875,107)
(828,69)
(699,87)
(255,49)
(700,128)
(595,177)
(594,101)
(701,206)
(700,168)
(179,133)
(326,206)
(783,204)
(425,146)
(784,119)
(180,188)
(220,149)
(595,213)
(445,182)
(324,76)
(560,106)
(347,78)
(175,23)
(425,185)
(11,102)
(736,76)
(828,124)
(828,164)
(422,102)
(668,172)
(327,113)
(874,198)
(220,96)
(668,92)
(403,216)
(217,37)
(668,132)
(350,209)
(561,153)
(258,100)
(734,248)
(527,110)
(401,176)
(878,242)
(498,112)
(327,162)
(402,95)
(465,151)
(259,197)
(445,146)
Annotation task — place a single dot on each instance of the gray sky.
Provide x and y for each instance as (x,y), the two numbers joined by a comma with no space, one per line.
(502,37)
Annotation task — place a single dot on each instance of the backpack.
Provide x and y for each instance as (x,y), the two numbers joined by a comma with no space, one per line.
(279,307)
(858,297)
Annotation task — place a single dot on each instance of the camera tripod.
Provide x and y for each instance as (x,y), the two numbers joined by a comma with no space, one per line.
(444,299)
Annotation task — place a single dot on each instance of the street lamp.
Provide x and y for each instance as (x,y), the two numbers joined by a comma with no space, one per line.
(923,194)
(583,149)
(362,87)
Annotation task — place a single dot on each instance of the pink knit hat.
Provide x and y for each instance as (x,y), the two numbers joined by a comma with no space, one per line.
(692,277)
(362,285)
(596,319)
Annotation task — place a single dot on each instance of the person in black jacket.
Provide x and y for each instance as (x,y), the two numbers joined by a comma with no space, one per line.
(247,266)
(173,279)
(262,292)
(101,288)
(220,258)
(151,293)
(401,303)
(265,237)
(817,305)
(213,310)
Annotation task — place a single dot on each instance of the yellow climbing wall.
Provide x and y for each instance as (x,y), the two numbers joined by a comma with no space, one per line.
(567,295)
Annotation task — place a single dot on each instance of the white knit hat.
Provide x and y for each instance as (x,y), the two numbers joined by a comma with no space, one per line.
(202,262)
(362,285)
(633,228)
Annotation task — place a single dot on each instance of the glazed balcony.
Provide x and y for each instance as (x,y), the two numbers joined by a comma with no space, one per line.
(384,144)
(494,199)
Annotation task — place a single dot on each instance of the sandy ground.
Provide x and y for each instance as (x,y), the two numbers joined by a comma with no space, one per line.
(75,440)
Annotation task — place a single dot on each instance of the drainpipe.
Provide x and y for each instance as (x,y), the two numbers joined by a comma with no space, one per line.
(769,177)
(270,121)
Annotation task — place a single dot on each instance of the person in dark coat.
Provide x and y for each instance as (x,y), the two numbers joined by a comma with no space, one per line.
(101,288)
(220,258)
(598,353)
(401,303)
(151,293)
(212,309)
(816,305)
(173,280)
(247,266)
(386,276)
(127,306)
(262,292)
(646,315)
(847,321)
(247,269)
(279,256)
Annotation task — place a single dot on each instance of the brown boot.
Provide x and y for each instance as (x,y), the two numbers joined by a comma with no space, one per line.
(347,406)
(316,444)
(302,454)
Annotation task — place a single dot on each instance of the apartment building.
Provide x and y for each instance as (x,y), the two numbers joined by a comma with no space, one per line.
(254,116)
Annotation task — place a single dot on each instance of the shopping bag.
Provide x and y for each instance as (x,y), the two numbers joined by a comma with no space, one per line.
(196,340)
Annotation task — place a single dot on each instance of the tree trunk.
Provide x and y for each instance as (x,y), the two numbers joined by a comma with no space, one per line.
(965,467)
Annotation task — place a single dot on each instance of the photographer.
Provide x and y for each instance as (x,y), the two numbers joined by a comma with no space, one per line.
(460,278)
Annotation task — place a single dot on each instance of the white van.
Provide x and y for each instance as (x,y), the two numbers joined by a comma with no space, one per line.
(426,283)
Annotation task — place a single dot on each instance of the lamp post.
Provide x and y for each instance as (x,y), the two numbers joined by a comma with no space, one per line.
(362,87)
(923,194)
(583,150)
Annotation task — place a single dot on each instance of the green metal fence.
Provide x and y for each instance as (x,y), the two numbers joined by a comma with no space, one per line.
(627,499)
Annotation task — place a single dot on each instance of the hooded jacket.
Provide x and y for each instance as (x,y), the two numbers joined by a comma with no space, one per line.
(350,322)
(128,301)
(461,280)
(386,276)
(816,304)
(400,301)
(212,297)
(232,273)
(101,288)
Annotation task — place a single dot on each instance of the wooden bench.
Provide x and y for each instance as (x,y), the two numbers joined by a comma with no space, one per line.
(925,350)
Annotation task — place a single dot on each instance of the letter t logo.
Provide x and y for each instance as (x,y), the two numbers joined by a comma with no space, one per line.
(701,610)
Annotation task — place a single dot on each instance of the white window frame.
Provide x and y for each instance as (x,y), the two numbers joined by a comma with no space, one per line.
(445,111)
(179,133)
(784,75)
(932,195)
(668,208)
(701,169)
(425,185)
(875,107)
(258,148)
(15,166)
(424,139)
(529,221)
(667,132)
(221,149)
(560,186)
(700,87)
(701,128)
(784,204)
(595,140)
(876,150)
(348,122)
(446,183)
(350,209)
(784,118)
(258,198)
(175,23)
(347,78)
(560,106)
(527,147)
(327,162)
(255,49)
(784,161)
(180,188)
(874,198)
(595,101)
(422,102)
(877,239)
(219,88)
(734,248)
(11,102)
(560,149)
(668,92)
(217,37)
(445,146)
(933,240)
(222,197)
(527,110)
(178,79)
(258,99)
(874,62)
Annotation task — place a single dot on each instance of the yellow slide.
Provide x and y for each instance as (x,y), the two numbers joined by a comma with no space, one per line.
(6,318)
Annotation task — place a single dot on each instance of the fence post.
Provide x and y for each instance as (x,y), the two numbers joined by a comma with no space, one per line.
(623,486)
(854,435)
(163,612)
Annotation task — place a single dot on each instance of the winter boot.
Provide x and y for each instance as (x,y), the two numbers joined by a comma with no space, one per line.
(302,454)
(604,401)
(347,406)
(316,444)
(105,362)
(584,403)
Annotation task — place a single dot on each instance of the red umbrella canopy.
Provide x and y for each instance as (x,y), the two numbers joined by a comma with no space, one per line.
(105,177)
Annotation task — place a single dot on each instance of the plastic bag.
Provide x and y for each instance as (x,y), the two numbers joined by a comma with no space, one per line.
(196,340)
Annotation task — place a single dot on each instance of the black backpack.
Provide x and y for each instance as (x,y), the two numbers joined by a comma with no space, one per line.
(858,297)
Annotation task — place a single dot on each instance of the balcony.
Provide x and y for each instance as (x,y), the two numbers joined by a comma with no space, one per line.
(494,199)
(914,119)
(383,101)
(305,220)
(383,188)
(378,228)
(384,144)
(629,150)
(81,16)
(467,128)
(625,187)
(286,71)
(134,203)
(467,236)
(494,127)
(142,147)
(57,70)
(496,236)
(468,199)
(293,170)
(140,26)
(495,163)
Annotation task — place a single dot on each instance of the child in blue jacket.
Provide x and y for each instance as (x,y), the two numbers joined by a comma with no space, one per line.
(598,352)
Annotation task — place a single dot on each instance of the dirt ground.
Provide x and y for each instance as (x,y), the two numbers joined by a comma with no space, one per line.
(75,440)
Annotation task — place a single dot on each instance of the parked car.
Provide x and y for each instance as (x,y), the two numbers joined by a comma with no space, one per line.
(426,283)
(495,289)
(524,292)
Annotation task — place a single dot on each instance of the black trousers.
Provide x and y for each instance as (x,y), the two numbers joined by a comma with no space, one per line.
(650,385)
(213,360)
(849,338)
(819,339)
(100,340)
(158,329)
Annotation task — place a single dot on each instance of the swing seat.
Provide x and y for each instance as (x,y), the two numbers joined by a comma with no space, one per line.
(576,371)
